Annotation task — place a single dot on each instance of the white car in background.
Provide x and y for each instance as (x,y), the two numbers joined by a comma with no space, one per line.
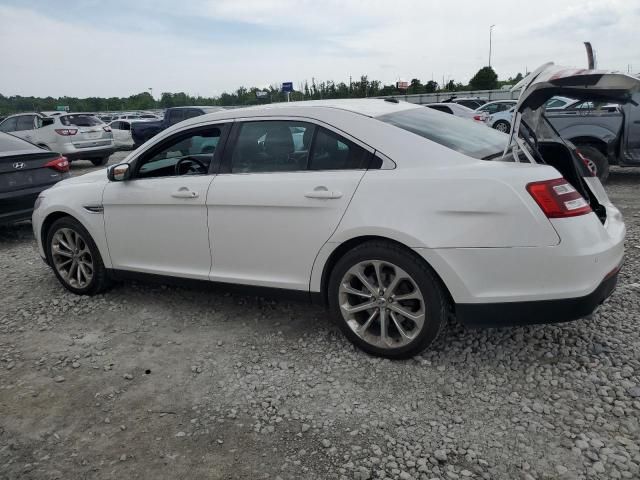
(76,136)
(121,131)
(392,214)
(483,112)
(501,121)
(452,109)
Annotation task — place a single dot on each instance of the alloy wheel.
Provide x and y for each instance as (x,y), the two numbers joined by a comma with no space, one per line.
(502,127)
(382,304)
(72,258)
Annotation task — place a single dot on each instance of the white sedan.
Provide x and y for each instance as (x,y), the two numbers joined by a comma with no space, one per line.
(392,214)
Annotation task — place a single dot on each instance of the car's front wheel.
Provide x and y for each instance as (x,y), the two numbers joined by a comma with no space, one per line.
(386,300)
(75,258)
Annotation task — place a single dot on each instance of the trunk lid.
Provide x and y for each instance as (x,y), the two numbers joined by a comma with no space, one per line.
(90,131)
(551,80)
(534,136)
(19,171)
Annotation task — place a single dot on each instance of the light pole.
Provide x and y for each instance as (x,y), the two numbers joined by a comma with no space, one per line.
(151,93)
(490,34)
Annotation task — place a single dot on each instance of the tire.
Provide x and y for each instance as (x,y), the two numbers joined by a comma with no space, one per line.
(428,300)
(502,126)
(82,250)
(598,161)
(99,161)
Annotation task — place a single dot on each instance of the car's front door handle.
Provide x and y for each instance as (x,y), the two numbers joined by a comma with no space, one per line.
(323,192)
(184,192)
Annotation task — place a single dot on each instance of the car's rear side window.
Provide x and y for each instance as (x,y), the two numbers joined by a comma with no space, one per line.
(25,122)
(459,134)
(333,152)
(272,146)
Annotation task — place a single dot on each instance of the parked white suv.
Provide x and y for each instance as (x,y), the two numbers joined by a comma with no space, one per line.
(76,136)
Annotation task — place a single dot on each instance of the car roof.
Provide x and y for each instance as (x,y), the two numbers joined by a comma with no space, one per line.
(369,107)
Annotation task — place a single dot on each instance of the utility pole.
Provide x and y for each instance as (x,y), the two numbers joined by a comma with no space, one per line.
(490,35)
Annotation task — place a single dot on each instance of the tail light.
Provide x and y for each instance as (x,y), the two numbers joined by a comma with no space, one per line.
(478,118)
(65,132)
(61,164)
(106,128)
(558,198)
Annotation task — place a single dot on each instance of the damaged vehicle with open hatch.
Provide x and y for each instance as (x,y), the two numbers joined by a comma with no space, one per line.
(393,215)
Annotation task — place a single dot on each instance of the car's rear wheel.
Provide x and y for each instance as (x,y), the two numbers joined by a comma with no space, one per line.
(596,161)
(386,300)
(99,161)
(74,257)
(502,126)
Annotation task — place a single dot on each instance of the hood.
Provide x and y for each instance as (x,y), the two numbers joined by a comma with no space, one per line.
(550,80)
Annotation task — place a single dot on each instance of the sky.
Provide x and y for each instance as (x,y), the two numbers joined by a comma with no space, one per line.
(85,48)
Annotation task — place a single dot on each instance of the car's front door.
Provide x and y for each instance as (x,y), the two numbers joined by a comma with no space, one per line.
(156,221)
(283,188)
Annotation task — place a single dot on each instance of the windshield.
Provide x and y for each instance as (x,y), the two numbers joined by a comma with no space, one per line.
(80,120)
(459,134)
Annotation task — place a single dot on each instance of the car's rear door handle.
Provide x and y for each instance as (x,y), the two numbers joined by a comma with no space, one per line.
(323,192)
(184,192)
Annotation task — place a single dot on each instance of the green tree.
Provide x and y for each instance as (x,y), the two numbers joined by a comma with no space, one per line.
(431,86)
(485,79)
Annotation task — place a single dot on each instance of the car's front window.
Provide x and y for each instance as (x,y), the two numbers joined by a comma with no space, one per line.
(459,134)
(188,153)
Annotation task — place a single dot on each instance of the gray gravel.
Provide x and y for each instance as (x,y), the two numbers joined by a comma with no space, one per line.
(150,381)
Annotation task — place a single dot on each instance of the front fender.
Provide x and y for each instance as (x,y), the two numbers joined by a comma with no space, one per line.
(71,202)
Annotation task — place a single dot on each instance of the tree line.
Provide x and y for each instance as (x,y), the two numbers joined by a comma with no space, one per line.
(484,79)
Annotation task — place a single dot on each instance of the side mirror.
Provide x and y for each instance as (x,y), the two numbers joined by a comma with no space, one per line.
(118,173)
(47,121)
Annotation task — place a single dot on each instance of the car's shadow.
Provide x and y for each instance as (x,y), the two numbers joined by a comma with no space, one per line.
(623,176)
(21,231)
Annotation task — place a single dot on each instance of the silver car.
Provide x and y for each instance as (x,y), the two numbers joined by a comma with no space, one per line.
(77,136)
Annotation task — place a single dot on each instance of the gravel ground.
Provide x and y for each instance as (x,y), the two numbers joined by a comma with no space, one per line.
(151,381)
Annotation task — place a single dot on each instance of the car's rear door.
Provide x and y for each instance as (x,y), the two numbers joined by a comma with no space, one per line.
(284,186)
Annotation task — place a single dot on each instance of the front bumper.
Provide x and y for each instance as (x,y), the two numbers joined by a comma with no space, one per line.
(535,312)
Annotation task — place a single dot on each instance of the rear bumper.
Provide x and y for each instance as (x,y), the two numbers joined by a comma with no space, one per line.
(89,153)
(535,312)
